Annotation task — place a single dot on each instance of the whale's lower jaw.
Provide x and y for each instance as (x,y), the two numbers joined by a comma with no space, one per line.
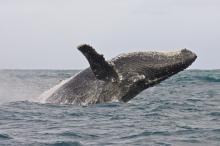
(121,78)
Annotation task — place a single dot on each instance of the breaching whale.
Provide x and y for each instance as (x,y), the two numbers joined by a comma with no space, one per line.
(121,78)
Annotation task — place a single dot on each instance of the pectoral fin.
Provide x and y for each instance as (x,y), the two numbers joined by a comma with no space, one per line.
(100,67)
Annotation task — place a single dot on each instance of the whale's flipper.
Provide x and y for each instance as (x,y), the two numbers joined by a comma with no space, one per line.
(100,67)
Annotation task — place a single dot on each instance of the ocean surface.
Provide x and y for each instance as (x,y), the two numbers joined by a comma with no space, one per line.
(181,111)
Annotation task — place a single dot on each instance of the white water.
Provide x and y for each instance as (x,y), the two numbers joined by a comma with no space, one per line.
(43,97)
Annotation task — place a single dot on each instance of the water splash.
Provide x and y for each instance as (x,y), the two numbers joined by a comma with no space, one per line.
(45,95)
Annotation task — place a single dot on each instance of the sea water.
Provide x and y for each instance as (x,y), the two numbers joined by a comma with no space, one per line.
(181,111)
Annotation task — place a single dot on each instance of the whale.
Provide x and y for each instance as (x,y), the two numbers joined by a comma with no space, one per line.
(121,78)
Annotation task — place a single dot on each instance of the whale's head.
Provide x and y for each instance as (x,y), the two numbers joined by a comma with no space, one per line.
(140,70)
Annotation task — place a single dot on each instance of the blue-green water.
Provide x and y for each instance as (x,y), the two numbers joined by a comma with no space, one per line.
(181,111)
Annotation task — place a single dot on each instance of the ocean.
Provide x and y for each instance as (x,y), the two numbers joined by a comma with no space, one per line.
(181,111)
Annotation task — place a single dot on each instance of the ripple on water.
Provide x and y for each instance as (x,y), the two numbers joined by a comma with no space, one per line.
(216,114)
(71,134)
(5,137)
(65,143)
(148,133)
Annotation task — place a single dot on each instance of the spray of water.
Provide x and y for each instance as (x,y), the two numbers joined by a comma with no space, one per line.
(43,97)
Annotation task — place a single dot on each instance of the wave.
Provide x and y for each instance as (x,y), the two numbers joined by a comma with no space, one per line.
(209,78)
(215,114)
(4,136)
(65,143)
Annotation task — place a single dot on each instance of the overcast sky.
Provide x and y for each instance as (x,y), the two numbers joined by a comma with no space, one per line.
(44,34)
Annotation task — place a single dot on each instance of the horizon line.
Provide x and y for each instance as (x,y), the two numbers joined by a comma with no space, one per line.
(85,68)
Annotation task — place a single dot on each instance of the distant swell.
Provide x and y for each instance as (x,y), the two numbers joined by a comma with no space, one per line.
(209,79)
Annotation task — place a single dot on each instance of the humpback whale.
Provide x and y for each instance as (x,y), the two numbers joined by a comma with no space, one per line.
(121,78)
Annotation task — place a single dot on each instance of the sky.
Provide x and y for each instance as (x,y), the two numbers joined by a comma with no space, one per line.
(44,34)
